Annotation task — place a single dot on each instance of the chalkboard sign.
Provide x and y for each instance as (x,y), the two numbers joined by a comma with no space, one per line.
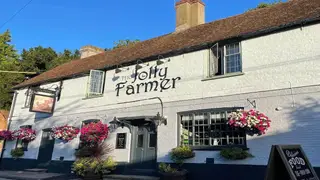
(121,140)
(289,162)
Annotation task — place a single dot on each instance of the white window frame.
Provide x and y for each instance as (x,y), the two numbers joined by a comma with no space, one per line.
(90,94)
(225,58)
(223,48)
(27,101)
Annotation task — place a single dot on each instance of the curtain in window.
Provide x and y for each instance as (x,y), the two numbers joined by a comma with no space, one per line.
(96,82)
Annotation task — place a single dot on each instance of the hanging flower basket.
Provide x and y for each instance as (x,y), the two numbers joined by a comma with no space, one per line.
(94,133)
(25,134)
(6,135)
(253,121)
(65,133)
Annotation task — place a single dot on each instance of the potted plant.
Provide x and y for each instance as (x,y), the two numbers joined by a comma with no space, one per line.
(235,153)
(65,133)
(6,135)
(108,166)
(252,121)
(17,153)
(87,168)
(94,133)
(25,134)
(178,156)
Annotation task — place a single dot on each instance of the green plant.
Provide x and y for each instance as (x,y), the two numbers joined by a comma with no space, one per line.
(181,153)
(83,166)
(166,168)
(17,152)
(235,153)
(109,164)
(97,151)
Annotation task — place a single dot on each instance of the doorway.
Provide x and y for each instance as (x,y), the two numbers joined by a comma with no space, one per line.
(46,147)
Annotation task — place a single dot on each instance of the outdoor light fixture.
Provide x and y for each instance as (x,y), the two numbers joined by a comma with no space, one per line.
(160,120)
(118,69)
(138,66)
(159,62)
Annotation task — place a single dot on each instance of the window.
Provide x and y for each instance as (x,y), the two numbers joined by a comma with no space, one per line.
(233,58)
(22,144)
(225,59)
(28,94)
(95,83)
(208,129)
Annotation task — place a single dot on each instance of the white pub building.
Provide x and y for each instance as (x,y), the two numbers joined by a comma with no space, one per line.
(180,87)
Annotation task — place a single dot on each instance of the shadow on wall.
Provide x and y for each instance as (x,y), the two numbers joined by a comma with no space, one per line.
(303,129)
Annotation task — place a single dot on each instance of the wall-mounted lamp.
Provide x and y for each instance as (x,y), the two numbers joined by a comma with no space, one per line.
(119,69)
(139,66)
(159,62)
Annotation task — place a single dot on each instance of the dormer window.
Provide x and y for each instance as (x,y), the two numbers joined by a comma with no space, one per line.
(95,83)
(225,59)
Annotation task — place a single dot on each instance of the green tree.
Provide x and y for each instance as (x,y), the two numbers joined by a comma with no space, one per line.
(122,43)
(37,59)
(264,4)
(64,57)
(8,62)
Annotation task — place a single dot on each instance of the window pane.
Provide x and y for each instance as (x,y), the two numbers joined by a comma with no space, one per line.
(140,140)
(152,140)
(233,58)
(96,82)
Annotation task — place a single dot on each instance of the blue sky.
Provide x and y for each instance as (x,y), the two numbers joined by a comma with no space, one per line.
(71,24)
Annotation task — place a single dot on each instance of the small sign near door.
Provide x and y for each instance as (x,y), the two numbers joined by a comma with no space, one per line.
(121,141)
(289,162)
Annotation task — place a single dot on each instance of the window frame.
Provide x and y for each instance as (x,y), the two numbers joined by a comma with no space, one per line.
(225,58)
(89,82)
(28,98)
(222,50)
(207,147)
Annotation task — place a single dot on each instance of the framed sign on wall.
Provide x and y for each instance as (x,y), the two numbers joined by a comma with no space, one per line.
(42,103)
(121,140)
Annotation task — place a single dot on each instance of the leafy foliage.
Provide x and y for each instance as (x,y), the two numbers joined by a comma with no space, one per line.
(84,166)
(122,43)
(181,153)
(17,153)
(97,152)
(163,167)
(235,153)
(37,59)
(109,164)
(8,62)
(264,5)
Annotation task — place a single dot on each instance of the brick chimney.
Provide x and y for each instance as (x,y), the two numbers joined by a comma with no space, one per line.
(89,50)
(189,13)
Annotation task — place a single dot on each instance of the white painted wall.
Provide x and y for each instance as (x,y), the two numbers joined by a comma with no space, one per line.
(276,61)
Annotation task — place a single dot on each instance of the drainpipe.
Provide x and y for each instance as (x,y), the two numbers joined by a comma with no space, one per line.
(9,123)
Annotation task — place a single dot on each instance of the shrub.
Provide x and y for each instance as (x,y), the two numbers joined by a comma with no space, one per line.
(109,164)
(97,151)
(83,166)
(166,168)
(235,153)
(179,154)
(17,153)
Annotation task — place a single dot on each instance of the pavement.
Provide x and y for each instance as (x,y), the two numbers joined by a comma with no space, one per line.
(24,175)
